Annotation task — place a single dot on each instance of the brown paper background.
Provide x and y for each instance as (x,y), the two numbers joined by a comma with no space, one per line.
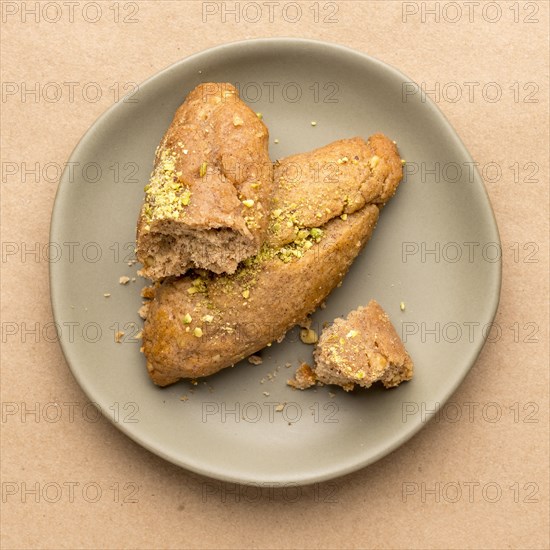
(367,509)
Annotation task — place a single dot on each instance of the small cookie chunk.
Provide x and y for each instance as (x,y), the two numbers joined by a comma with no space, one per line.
(304,378)
(362,349)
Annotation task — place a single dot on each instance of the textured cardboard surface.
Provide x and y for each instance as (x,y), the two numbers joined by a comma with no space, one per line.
(475,477)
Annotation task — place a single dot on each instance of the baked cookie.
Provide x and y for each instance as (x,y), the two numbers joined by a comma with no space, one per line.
(207,202)
(361,349)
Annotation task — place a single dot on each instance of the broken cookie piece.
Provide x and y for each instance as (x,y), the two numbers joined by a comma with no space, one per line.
(362,349)
(207,201)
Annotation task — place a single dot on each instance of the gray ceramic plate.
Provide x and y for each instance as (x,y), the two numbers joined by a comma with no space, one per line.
(228,428)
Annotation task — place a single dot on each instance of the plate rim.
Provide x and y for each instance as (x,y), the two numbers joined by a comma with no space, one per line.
(220,474)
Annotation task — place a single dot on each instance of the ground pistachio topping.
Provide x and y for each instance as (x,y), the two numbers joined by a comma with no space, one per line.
(305,239)
(165,195)
(198,286)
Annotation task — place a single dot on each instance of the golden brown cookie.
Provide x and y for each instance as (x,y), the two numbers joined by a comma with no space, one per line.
(362,349)
(207,202)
